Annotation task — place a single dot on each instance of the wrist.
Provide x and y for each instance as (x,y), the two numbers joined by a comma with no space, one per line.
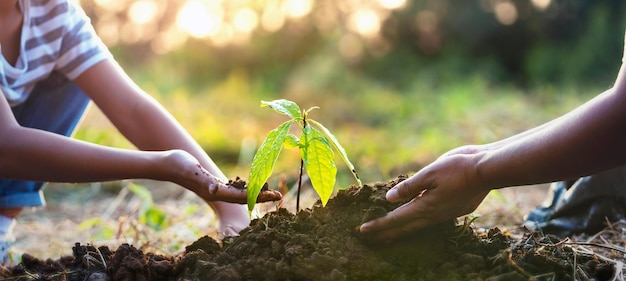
(166,167)
(484,170)
(182,168)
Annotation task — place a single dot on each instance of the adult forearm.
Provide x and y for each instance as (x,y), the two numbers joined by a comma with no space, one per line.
(539,129)
(587,140)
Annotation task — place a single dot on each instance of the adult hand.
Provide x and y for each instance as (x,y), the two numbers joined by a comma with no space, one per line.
(466,149)
(190,174)
(445,189)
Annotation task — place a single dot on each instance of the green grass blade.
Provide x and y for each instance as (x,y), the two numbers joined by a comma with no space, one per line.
(339,148)
(284,106)
(318,160)
(264,160)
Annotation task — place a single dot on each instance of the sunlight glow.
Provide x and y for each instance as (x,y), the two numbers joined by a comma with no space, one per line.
(326,16)
(224,36)
(131,33)
(167,41)
(272,19)
(246,20)
(199,19)
(350,47)
(107,28)
(506,12)
(365,22)
(541,5)
(111,6)
(143,11)
(392,4)
(298,8)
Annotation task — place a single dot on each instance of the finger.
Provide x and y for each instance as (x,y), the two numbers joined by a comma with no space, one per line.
(396,218)
(404,230)
(404,190)
(420,212)
(228,193)
(269,195)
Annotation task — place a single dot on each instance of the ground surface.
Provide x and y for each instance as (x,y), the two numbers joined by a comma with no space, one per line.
(322,244)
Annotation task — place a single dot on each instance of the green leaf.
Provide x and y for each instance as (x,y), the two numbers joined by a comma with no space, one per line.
(339,148)
(264,160)
(292,141)
(284,106)
(318,161)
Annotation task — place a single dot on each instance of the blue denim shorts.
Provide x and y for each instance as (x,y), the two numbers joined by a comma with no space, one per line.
(56,105)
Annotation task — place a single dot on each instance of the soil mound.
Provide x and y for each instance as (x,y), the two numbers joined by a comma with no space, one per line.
(323,243)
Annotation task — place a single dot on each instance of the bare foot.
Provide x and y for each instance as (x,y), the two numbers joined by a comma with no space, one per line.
(232,218)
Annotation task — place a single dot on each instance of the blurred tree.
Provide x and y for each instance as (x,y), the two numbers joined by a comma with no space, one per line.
(526,41)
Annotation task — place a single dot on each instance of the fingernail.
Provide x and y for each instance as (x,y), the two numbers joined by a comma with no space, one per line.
(365,227)
(392,194)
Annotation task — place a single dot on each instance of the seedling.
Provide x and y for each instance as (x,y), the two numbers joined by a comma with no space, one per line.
(316,153)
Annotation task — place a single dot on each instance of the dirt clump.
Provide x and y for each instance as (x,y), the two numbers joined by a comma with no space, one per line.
(240,183)
(323,243)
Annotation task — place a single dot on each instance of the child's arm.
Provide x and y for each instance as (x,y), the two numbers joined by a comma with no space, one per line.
(31,154)
(146,124)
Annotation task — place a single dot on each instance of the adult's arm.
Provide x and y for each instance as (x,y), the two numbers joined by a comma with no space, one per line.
(587,140)
(476,148)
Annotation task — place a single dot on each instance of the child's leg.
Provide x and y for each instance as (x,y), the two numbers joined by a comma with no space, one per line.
(56,105)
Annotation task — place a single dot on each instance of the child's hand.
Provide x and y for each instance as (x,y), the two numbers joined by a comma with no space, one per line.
(191,175)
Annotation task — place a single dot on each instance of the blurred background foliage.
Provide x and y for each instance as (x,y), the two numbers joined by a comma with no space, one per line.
(398,81)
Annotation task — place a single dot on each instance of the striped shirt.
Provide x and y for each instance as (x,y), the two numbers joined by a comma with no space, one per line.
(56,36)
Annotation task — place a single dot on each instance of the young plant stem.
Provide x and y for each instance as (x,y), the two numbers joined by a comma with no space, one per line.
(304,124)
(299,186)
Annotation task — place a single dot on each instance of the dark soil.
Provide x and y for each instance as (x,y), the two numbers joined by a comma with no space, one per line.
(323,243)
(238,183)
